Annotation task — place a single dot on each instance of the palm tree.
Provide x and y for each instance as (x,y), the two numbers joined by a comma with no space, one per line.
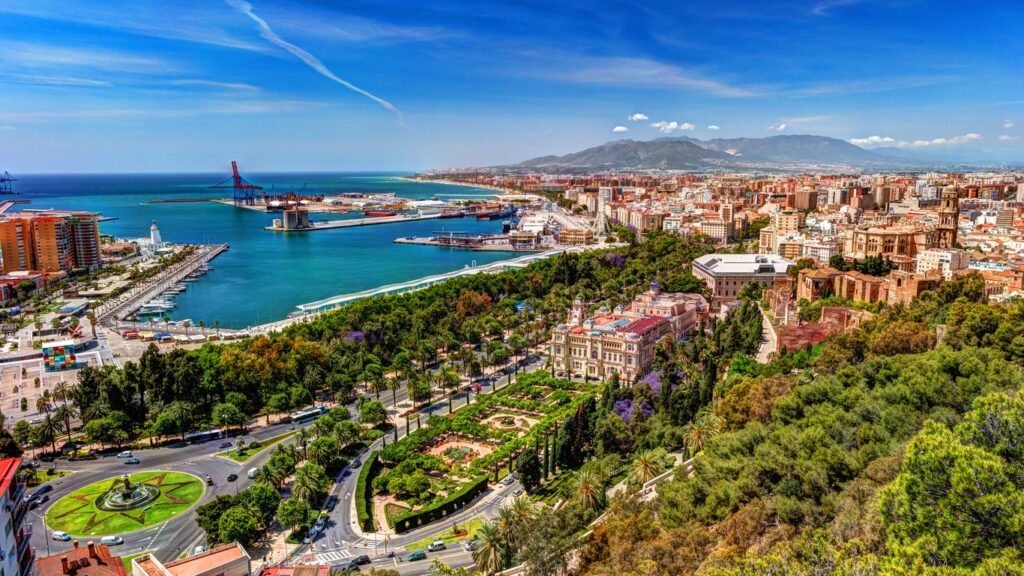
(448,379)
(646,466)
(302,439)
(43,404)
(271,475)
(490,552)
(39,328)
(202,326)
(187,324)
(216,325)
(704,427)
(167,322)
(91,316)
(49,429)
(306,485)
(64,413)
(394,384)
(588,489)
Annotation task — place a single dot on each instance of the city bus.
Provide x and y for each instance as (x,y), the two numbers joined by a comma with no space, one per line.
(307,414)
(204,436)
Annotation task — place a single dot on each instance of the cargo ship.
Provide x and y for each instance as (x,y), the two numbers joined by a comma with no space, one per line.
(380,213)
(495,213)
(452,214)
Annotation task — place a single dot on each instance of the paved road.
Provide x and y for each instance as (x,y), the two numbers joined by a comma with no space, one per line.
(175,536)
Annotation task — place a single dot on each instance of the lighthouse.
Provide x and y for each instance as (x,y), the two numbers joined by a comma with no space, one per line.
(154,236)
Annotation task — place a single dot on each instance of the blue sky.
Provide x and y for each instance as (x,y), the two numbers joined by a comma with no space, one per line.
(133,86)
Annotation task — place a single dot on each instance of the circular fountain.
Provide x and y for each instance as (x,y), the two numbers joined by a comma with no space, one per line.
(127,496)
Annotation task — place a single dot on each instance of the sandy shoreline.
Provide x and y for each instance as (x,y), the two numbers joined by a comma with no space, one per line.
(454,183)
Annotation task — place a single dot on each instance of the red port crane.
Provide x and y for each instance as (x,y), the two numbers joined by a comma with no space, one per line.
(245,193)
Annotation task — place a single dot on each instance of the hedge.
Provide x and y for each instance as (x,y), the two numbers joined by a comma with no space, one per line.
(441,509)
(364,492)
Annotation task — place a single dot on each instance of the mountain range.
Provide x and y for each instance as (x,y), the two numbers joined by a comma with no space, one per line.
(685,153)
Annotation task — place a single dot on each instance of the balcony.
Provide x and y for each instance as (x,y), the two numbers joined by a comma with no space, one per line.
(25,563)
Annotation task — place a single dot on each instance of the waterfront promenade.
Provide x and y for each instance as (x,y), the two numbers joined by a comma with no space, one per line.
(113,310)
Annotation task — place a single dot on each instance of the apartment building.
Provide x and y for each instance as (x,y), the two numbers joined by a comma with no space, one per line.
(17,557)
(226,560)
(92,560)
(50,241)
(948,262)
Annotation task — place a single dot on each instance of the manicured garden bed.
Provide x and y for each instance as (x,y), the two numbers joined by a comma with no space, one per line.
(79,513)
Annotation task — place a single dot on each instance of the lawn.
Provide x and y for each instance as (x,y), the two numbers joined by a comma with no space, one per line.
(466,531)
(392,511)
(250,451)
(78,513)
(44,476)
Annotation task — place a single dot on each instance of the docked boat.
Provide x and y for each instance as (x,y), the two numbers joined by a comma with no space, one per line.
(380,213)
(452,213)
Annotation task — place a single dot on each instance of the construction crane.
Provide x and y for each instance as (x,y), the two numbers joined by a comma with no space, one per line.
(5,183)
(245,193)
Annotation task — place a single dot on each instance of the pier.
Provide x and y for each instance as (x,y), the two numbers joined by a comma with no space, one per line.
(130,301)
(351,223)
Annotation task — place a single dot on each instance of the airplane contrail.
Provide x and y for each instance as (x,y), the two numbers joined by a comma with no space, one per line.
(312,61)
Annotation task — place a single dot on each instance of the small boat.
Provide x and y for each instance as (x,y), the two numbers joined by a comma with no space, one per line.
(379,213)
(452,214)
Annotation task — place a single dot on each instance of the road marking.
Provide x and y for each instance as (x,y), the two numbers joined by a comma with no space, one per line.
(333,556)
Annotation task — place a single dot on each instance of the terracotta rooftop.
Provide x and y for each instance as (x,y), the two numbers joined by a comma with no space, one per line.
(90,560)
(301,570)
(8,469)
(644,324)
(205,563)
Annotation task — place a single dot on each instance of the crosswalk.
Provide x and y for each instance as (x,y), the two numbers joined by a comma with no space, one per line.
(333,557)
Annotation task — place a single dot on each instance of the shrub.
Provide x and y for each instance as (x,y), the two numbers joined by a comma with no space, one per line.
(364,492)
(441,509)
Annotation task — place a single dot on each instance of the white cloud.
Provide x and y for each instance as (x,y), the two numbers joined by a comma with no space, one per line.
(620,129)
(214,84)
(1008,124)
(1007,138)
(875,141)
(713,127)
(637,117)
(633,72)
(63,81)
(308,59)
(778,127)
(686,126)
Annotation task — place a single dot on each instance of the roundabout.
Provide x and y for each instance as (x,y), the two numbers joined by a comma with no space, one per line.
(122,504)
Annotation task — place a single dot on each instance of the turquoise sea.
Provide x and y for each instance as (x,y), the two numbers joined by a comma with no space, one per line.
(266,274)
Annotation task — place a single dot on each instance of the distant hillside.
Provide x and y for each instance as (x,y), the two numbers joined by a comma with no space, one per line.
(684,153)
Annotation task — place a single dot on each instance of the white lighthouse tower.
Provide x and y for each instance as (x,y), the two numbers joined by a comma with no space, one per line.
(154,237)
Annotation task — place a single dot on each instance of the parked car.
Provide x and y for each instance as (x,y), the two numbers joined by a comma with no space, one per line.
(111,540)
(320,523)
(517,492)
(331,503)
(44,489)
(38,501)
(417,555)
(252,473)
(232,477)
(198,550)
(225,445)
(360,560)
(437,545)
(132,460)
(357,463)
(508,480)
(125,454)
(62,536)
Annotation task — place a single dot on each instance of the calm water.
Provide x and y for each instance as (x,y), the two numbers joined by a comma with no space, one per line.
(266,274)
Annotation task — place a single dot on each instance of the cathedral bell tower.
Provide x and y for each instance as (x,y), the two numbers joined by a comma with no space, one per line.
(949,215)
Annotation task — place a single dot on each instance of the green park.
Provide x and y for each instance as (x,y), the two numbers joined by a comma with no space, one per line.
(123,504)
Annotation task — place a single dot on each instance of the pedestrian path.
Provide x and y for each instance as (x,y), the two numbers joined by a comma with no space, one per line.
(333,557)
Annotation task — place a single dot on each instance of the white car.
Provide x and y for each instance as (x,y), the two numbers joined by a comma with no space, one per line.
(125,454)
(198,550)
(437,545)
(253,472)
(62,536)
(111,540)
